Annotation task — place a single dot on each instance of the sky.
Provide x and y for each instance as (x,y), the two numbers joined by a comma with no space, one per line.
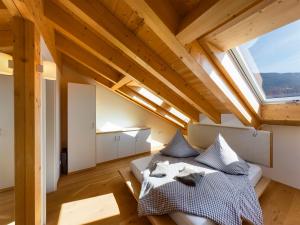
(277,51)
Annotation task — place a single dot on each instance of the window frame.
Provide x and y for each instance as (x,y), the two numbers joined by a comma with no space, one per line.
(246,72)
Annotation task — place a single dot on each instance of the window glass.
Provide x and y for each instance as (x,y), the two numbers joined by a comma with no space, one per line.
(273,61)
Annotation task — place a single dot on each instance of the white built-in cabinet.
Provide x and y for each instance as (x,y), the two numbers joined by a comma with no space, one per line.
(81,126)
(119,144)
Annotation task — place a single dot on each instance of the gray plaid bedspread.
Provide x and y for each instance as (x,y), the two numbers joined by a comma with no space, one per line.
(223,198)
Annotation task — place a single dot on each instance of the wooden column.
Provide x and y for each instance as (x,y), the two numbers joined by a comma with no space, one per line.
(26,56)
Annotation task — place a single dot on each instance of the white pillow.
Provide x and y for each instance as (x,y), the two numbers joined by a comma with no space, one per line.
(222,157)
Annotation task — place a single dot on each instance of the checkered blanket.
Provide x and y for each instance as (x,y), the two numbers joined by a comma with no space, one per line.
(223,198)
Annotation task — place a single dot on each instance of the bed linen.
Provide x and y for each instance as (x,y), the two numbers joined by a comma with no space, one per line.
(139,165)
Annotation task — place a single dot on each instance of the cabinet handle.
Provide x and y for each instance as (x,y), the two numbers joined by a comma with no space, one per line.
(119,138)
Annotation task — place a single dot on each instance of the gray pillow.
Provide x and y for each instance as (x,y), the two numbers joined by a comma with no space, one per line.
(222,157)
(179,147)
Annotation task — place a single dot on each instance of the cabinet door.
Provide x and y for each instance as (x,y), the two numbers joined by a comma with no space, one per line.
(126,144)
(81,126)
(107,147)
(142,143)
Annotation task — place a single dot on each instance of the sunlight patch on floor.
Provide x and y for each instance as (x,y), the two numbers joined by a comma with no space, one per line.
(88,210)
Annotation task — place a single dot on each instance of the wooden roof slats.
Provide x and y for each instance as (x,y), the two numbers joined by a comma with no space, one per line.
(208,16)
(83,36)
(103,22)
(191,59)
(259,19)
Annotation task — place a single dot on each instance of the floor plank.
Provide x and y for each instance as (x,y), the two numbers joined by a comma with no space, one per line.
(98,196)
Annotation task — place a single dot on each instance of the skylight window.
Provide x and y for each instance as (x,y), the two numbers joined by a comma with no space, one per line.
(150,96)
(271,63)
(174,120)
(178,114)
(144,103)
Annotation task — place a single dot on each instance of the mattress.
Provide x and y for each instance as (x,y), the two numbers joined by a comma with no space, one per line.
(139,165)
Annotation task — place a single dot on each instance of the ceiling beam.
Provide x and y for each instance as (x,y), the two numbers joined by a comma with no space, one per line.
(6,39)
(227,67)
(281,114)
(159,109)
(124,91)
(81,55)
(198,62)
(255,22)
(34,10)
(208,16)
(223,88)
(103,22)
(86,71)
(86,38)
(125,80)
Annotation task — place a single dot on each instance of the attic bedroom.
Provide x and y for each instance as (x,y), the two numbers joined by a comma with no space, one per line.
(170,112)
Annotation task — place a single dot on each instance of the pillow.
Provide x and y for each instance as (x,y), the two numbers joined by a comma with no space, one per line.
(222,157)
(178,147)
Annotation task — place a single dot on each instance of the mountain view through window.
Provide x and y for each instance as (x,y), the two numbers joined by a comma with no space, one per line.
(274,60)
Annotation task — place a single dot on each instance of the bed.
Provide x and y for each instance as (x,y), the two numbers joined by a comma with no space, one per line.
(133,177)
(262,141)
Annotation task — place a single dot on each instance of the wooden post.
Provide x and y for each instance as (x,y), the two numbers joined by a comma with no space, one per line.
(26,56)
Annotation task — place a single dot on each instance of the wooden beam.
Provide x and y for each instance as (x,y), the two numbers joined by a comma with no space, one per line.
(83,36)
(80,68)
(102,21)
(227,94)
(5,16)
(159,109)
(282,114)
(208,16)
(229,70)
(6,39)
(255,22)
(33,10)
(78,53)
(125,80)
(197,62)
(26,55)
(124,91)
(129,96)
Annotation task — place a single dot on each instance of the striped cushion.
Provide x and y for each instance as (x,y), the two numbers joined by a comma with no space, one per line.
(222,157)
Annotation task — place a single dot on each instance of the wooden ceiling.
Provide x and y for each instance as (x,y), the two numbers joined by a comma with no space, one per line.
(168,47)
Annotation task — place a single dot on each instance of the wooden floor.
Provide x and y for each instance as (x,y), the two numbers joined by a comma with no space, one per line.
(98,196)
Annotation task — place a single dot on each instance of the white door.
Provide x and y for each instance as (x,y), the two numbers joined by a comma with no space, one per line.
(107,147)
(126,144)
(142,143)
(81,126)
(7,159)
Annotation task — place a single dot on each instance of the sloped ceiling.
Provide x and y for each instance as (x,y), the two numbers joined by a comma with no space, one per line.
(167,47)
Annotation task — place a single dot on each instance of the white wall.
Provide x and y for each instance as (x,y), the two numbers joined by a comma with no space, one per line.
(114,110)
(52,125)
(286,150)
(7,160)
(286,155)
